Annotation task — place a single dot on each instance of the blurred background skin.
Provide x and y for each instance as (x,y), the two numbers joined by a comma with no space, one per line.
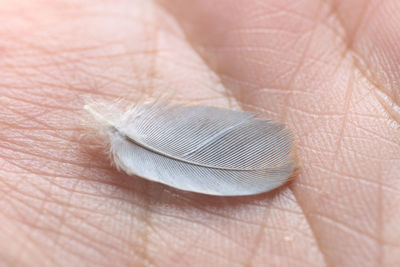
(328,69)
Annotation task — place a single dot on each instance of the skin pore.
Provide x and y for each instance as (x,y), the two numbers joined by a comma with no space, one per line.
(328,69)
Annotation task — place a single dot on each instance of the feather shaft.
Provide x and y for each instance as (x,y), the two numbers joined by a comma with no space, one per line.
(201,149)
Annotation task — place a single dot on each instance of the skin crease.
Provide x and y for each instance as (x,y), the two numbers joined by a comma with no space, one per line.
(328,69)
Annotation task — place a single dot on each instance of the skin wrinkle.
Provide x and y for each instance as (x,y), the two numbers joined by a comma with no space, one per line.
(36,220)
(366,156)
(196,242)
(376,90)
(379,208)
(79,60)
(204,225)
(359,62)
(72,178)
(83,192)
(342,225)
(302,60)
(61,204)
(258,239)
(389,142)
(351,177)
(33,103)
(226,217)
(376,135)
(23,246)
(28,117)
(350,36)
(82,70)
(22,137)
(225,93)
(179,256)
(66,211)
(307,218)
(34,171)
(59,232)
(330,200)
(260,231)
(346,111)
(200,200)
(391,107)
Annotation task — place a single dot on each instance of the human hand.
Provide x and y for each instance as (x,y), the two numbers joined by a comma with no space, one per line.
(329,70)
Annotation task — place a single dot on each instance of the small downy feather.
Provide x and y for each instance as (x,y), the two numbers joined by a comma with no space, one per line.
(198,148)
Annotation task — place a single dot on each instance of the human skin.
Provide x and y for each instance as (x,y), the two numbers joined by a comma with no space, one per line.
(327,69)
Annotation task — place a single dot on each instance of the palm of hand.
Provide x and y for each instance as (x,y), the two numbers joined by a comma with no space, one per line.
(327,69)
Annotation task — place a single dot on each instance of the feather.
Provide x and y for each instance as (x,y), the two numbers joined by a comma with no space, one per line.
(198,148)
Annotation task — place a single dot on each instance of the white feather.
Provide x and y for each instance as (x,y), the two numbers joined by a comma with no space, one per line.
(197,148)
